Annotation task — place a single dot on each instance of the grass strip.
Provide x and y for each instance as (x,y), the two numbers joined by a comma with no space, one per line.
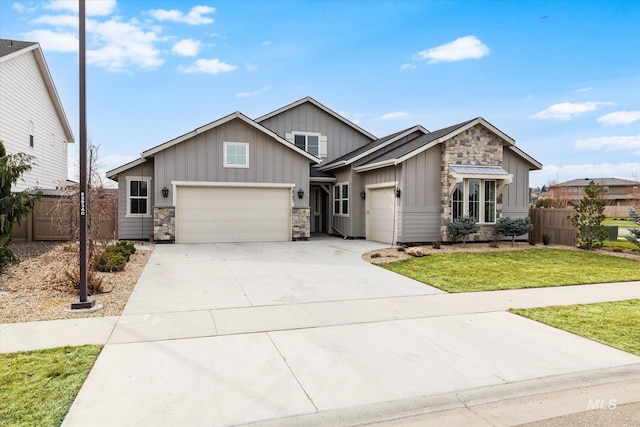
(616,324)
(37,388)
(531,268)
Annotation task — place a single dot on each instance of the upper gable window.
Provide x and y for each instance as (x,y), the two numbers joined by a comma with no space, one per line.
(313,143)
(236,155)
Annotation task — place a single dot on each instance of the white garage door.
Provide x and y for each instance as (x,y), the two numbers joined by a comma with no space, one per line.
(232,214)
(380,214)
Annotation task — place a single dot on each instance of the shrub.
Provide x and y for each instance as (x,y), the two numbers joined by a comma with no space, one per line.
(127,247)
(532,239)
(436,244)
(94,283)
(513,227)
(463,227)
(617,249)
(546,239)
(588,218)
(634,236)
(109,260)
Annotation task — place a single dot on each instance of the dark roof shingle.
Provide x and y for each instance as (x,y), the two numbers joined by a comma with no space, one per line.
(8,47)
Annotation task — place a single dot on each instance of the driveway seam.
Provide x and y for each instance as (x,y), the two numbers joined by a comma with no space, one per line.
(284,359)
(244,291)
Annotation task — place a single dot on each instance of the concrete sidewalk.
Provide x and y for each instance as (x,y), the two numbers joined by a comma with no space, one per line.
(265,338)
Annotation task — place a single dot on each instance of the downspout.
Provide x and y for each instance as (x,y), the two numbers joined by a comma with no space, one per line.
(340,232)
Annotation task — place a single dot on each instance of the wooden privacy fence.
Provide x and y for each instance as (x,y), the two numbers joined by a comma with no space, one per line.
(52,220)
(617,211)
(554,223)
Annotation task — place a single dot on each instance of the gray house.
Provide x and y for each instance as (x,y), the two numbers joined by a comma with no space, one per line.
(305,169)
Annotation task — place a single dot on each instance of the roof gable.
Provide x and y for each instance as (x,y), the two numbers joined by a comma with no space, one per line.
(237,115)
(10,49)
(370,148)
(425,142)
(327,110)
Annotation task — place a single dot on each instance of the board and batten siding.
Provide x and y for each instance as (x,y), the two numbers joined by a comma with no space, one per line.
(341,138)
(421,198)
(201,158)
(515,197)
(139,227)
(24,97)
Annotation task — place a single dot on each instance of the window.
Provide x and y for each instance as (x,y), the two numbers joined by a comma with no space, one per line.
(480,203)
(236,155)
(137,197)
(30,133)
(341,199)
(308,142)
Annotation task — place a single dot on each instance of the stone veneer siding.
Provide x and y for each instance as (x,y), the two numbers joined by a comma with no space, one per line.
(300,223)
(164,224)
(476,146)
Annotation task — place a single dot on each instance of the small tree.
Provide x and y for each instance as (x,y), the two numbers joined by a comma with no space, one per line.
(13,205)
(588,218)
(463,227)
(513,227)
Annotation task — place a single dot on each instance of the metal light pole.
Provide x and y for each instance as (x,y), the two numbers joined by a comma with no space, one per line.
(83,303)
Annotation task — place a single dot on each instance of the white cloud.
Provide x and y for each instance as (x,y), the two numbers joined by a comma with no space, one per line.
(584,89)
(92,8)
(123,44)
(58,20)
(186,47)
(395,115)
(609,143)
(193,17)
(468,47)
(408,67)
(619,118)
(208,66)
(266,43)
(254,93)
(568,110)
(54,41)
(251,67)
(21,8)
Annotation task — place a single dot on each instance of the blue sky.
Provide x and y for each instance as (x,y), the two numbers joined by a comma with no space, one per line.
(560,77)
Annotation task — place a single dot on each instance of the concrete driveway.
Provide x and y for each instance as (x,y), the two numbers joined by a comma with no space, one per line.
(308,333)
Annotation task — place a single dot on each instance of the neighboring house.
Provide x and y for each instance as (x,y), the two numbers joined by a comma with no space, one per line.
(615,191)
(305,169)
(32,120)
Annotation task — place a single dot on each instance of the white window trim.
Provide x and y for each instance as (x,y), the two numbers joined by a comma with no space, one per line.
(465,199)
(322,142)
(235,144)
(149,192)
(341,199)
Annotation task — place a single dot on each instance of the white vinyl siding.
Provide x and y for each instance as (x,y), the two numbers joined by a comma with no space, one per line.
(341,199)
(28,110)
(212,214)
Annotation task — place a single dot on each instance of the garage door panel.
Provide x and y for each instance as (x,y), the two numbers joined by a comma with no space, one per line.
(381,215)
(233,214)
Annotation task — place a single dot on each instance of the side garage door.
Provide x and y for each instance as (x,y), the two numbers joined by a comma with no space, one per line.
(380,214)
(232,214)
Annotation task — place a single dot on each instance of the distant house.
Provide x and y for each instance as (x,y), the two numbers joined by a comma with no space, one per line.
(616,191)
(32,119)
(305,169)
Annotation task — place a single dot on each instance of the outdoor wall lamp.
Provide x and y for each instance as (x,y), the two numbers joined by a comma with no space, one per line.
(165,192)
(363,194)
(397,192)
(300,193)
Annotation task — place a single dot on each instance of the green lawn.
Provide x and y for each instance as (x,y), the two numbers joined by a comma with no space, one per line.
(616,324)
(38,387)
(531,268)
(620,223)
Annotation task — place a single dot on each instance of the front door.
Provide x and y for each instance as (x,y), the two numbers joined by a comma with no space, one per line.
(318,214)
